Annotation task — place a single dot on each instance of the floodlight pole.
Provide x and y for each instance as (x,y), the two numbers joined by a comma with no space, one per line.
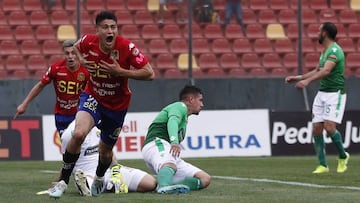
(190,69)
(300,56)
(78,23)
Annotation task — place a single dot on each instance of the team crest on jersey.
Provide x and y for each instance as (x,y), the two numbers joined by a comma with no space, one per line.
(115,54)
(81,76)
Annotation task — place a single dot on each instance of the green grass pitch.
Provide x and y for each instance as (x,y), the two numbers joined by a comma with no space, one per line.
(235,179)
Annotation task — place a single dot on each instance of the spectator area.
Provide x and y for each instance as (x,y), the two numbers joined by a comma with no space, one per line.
(29,40)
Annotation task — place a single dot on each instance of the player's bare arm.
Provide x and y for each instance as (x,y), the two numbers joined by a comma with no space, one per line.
(32,94)
(316,75)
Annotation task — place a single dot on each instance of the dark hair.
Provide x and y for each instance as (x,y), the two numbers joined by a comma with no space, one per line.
(103,15)
(69,43)
(330,29)
(189,89)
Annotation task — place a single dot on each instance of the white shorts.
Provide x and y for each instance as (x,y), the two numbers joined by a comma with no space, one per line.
(131,176)
(155,157)
(328,106)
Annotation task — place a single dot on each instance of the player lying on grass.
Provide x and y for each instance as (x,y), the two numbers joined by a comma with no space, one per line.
(118,179)
(161,150)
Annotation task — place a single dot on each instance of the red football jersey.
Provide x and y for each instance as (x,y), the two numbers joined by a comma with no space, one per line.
(68,86)
(110,91)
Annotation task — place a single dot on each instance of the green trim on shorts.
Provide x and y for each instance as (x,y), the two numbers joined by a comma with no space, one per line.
(339,102)
(159,145)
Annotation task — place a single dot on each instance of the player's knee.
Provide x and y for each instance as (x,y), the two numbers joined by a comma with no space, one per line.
(78,137)
(206,179)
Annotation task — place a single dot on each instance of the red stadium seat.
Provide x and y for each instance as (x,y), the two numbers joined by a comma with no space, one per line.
(6,33)
(36,62)
(313,30)
(267,17)
(178,46)
(124,17)
(196,31)
(115,5)
(354,30)
(311,61)
(278,5)
(139,43)
(86,29)
(347,16)
(233,31)
(259,5)
(229,61)
(136,5)
(318,5)
(292,31)
(219,46)
(249,16)
(308,45)
(150,32)
(39,18)
(94,6)
(55,57)
(9,47)
(12,5)
(174,73)
(237,72)
(143,17)
(287,16)
(208,61)
(290,62)
(263,45)
(294,4)
(171,31)
(24,32)
(158,46)
(15,62)
(271,61)
(283,46)
(213,31)
(309,16)
(59,17)
(242,46)
(3,18)
(250,60)
(341,30)
(259,72)
(339,5)
(215,73)
(279,72)
(130,32)
(29,47)
(200,46)
(328,15)
(347,44)
(51,47)
(352,61)
(32,5)
(165,61)
(254,31)
(16,18)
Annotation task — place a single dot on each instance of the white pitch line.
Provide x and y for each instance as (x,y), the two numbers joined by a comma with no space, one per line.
(288,183)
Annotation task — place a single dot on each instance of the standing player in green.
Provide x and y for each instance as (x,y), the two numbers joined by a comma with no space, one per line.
(161,150)
(329,103)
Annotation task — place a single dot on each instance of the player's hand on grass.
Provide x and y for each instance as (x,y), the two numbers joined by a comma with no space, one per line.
(175,150)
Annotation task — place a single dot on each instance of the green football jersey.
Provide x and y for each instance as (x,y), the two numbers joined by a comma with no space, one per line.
(169,124)
(335,81)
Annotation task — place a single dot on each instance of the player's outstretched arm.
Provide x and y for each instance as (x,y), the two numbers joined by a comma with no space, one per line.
(32,94)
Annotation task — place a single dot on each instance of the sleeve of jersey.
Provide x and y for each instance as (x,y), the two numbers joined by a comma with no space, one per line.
(137,58)
(173,128)
(333,56)
(47,77)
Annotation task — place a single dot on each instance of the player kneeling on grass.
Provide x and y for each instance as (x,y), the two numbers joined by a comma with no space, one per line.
(118,179)
(161,150)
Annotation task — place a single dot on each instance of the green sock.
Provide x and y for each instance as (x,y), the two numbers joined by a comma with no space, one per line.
(319,146)
(337,140)
(193,183)
(165,176)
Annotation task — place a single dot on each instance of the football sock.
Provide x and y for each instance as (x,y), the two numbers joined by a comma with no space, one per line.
(69,161)
(193,183)
(319,146)
(337,140)
(165,176)
(102,167)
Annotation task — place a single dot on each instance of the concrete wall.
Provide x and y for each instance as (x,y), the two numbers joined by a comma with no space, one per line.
(232,93)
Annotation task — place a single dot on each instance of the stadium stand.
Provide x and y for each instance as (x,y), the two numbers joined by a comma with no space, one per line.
(66,32)
(182,62)
(275,31)
(29,31)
